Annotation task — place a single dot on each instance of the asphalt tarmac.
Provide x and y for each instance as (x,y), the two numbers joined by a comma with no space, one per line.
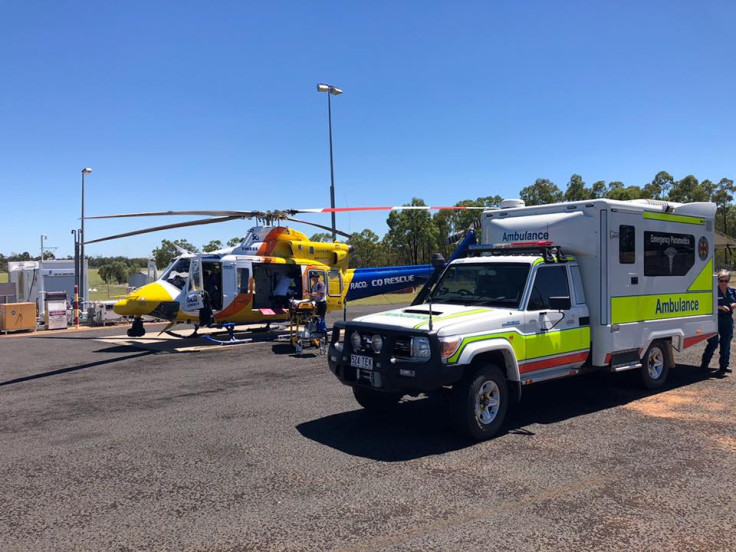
(111,446)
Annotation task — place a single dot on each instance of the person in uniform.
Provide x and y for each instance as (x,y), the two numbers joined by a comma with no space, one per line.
(319,296)
(726,304)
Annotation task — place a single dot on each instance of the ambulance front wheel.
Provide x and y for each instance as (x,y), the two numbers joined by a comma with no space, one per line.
(479,402)
(655,365)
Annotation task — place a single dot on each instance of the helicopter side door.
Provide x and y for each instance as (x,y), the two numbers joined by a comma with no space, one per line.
(212,278)
(230,282)
(193,300)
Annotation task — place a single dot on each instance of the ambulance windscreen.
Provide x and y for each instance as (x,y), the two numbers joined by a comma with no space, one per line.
(490,285)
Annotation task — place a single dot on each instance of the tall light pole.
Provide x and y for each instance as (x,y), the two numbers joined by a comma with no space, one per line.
(331,91)
(43,237)
(76,233)
(82,238)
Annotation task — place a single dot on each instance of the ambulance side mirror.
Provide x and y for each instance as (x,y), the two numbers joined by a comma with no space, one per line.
(559,303)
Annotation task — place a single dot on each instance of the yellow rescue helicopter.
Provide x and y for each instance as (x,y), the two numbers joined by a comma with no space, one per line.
(254,281)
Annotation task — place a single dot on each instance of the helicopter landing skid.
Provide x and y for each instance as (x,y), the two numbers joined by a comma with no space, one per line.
(231,339)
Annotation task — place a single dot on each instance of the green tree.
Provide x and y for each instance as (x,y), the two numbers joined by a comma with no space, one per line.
(722,197)
(598,189)
(214,245)
(617,190)
(169,251)
(689,190)
(542,192)
(450,222)
(659,187)
(412,236)
(367,249)
(576,190)
(115,273)
(105,273)
(321,237)
(232,242)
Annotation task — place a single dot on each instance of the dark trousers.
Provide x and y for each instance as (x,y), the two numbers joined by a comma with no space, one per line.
(321,311)
(725,334)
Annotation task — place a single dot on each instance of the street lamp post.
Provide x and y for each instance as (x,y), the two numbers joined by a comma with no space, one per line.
(331,91)
(43,237)
(82,238)
(75,233)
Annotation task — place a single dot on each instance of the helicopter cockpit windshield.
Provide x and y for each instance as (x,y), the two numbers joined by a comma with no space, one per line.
(177,273)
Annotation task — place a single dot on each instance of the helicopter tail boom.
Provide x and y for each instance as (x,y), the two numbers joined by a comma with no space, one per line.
(367,282)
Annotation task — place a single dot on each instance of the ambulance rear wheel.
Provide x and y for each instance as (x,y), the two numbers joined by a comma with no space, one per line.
(479,402)
(655,365)
(375,401)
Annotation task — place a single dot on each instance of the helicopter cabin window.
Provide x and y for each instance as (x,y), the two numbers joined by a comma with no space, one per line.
(311,250)
(177,273)
(243,280)
(334,283)
(626,244)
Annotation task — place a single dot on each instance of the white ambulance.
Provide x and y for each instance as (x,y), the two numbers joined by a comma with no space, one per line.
(551,291)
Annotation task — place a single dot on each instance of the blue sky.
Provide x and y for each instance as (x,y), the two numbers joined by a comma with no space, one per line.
(213,105)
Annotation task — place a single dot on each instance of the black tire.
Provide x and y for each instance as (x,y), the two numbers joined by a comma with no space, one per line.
(473,399)
(655,365)
(376,401)
(136,329)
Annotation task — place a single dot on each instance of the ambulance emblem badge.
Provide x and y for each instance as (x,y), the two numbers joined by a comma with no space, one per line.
(703,248)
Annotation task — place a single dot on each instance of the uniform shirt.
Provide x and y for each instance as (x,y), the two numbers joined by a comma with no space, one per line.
(319,291)
(725,300)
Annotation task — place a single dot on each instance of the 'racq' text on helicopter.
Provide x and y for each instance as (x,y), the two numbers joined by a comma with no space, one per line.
(254,281)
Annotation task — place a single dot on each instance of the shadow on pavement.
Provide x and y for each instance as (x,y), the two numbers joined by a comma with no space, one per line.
(74,368)
(421,427)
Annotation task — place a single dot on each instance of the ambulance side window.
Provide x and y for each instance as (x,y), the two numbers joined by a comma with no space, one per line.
(577,284)
(551,281)
(626,244)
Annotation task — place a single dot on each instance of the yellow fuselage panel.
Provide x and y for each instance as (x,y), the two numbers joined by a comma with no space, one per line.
(143,301)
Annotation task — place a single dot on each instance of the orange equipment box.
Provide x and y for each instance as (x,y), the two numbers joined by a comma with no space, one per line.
(17,316)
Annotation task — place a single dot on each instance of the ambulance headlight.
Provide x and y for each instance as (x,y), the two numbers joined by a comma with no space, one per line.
(376,343)
(356,341)
(420,348)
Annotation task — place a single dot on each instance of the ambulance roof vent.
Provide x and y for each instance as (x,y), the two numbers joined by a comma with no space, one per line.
(512,203)
(664,204)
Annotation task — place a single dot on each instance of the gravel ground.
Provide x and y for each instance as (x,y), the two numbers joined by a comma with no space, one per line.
(111,447)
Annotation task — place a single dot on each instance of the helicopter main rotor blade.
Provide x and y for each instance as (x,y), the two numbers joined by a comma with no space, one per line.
(166,227)
(283,213)
(241,214)
(341,233)
(387,208)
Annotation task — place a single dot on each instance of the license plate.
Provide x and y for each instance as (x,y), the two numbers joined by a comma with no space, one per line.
(360,361)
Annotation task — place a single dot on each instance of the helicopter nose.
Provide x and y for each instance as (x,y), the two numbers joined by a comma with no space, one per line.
(142,301)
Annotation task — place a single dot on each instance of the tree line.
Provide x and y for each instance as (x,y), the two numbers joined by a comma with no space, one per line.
(414,235)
